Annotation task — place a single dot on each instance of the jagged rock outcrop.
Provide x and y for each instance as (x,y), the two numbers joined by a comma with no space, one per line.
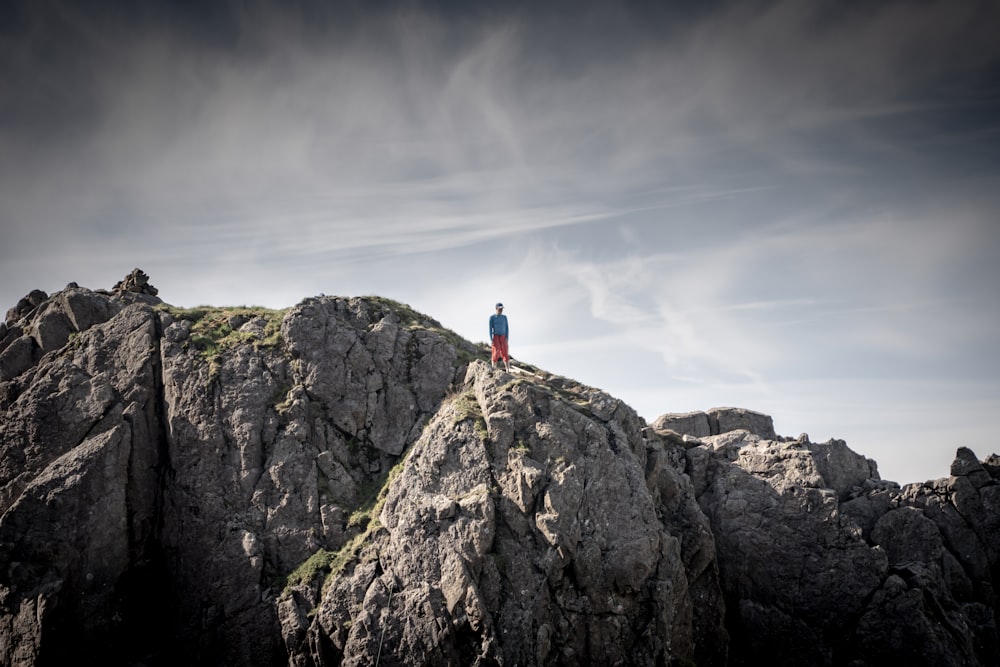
(522,530)
(823,563)
(161,471)
(347,482)
(715,422)
(136,282)
(78,491)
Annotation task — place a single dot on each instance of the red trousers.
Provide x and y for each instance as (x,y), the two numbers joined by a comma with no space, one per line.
(500,349)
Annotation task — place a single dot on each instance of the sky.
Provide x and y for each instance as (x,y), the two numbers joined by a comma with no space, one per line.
(791,207)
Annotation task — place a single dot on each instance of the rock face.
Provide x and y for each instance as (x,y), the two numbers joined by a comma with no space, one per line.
(348,483)
(136,282)
(823,563)
(535,522)
(716,421)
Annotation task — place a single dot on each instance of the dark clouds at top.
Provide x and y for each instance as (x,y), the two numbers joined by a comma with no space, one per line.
(775,63)
(57,54)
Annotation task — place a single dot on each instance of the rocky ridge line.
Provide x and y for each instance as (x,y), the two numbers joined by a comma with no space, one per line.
(348,479)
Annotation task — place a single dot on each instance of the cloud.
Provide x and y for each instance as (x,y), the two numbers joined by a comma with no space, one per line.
(404,115)
(714,201)
(785,300)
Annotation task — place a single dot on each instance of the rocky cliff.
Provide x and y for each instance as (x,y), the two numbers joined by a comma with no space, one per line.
(346,482)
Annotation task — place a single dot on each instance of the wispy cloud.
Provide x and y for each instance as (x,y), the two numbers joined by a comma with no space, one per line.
(412,120)
(728,198)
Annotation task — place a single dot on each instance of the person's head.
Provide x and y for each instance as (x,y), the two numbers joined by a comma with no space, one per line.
(499,307)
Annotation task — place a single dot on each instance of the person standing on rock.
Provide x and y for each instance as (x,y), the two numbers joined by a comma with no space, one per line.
(499,331)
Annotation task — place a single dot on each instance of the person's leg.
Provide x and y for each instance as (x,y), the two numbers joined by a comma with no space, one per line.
(505,353)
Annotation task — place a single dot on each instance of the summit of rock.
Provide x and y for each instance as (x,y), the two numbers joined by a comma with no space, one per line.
(346,482)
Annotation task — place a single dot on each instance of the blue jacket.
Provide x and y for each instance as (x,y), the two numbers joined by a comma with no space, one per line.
(498,326)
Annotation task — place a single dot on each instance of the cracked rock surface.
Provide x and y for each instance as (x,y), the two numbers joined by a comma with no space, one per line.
(522,531)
